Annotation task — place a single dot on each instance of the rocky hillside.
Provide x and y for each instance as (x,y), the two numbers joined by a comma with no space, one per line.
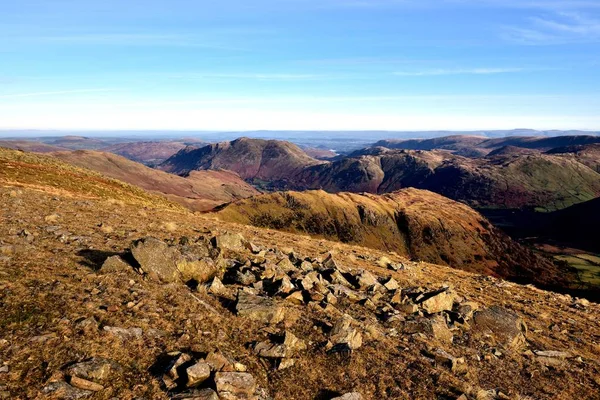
(413,223)
(200,190)
(112,299)
(505,180)
(255,160)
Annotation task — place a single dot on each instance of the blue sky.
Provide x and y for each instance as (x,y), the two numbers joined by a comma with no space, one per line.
(300,64)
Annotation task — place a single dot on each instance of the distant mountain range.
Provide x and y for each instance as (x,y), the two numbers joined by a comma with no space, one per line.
(510,176)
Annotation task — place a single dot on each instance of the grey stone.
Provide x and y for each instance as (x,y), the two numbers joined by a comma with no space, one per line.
(64,391)
(258,308)
(115,264)
(157,259)
(96,369)
(197,373)
(349,396)
(235,385)
(344,333)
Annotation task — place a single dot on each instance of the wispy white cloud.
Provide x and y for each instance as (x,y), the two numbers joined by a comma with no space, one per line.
(471,71)
(253,76)
(559,28)
(56,92)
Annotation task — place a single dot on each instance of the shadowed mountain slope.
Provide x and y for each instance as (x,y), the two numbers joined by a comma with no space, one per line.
(411,222)
(505,180)
(200,191)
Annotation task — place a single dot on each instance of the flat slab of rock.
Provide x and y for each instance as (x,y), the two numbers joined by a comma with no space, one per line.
(349,396)
(235,385)
(198,394)
(262,309)
(96,369)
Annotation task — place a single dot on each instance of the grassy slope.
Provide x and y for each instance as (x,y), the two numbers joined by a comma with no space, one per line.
(50,174)
(201,191)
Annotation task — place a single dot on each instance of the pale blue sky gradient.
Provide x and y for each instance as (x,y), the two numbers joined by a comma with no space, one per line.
(300,64)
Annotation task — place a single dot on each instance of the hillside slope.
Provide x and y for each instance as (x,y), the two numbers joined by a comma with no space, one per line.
(506,180)
(253,159)
(293,318)
(149,153)
(31,170)
(414,223)
(200,191)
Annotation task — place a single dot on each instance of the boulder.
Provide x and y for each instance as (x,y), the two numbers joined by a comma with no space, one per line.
(506,327)
(436,301)
(197,373)
(157,259)
(235,385)
(283,346)
(391,285)
(97,369)
(343,333)
(366,280)
(115,264)
(219,362)
(286,265)
(229,241)
(258,308)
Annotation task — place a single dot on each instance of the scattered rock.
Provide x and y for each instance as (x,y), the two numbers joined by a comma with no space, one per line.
(95,369)
(262,309)
(85,384)
(343,333)
(349,396)
(217,288)
(235,385)
(436,301)
(115,264)
(229,241)
(391,285)
(157,259)
(197,373)
(283,346)
(62,390)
